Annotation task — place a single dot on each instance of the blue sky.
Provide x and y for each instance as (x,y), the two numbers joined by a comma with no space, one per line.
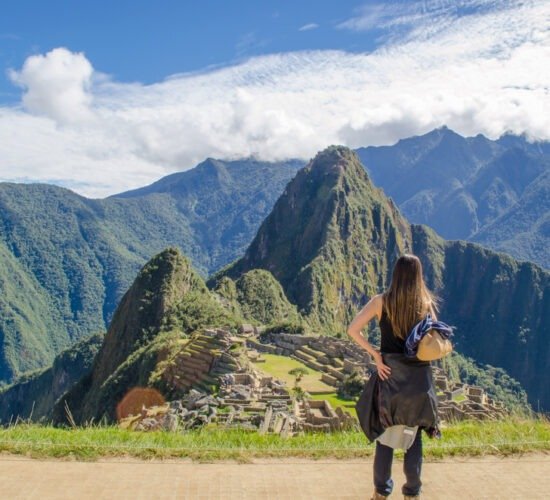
(103,97)
(147,41)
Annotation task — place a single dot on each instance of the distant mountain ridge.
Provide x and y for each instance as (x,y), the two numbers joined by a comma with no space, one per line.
(461,185)
(525,229)
(222,202)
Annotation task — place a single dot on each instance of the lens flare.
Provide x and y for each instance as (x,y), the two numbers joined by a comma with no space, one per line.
(136,399)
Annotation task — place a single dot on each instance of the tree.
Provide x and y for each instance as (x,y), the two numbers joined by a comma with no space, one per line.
(299,393)
(298,373)
(352,386)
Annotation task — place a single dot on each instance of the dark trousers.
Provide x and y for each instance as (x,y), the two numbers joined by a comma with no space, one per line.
(412,467)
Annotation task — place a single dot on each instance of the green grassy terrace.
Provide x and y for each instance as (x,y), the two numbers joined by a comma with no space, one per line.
(279,366)
(209,444)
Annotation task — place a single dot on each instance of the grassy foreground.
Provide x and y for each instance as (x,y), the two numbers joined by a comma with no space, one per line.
(464,439)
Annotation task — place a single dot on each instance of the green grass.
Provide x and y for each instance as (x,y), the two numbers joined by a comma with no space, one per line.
(208,444)
(279,366)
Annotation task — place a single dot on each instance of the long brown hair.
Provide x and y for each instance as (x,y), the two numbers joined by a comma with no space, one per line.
(408,299)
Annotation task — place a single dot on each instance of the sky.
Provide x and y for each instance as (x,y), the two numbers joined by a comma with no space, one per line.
(102,97)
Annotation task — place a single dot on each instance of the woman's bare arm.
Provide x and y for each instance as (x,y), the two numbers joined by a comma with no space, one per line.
(372,309)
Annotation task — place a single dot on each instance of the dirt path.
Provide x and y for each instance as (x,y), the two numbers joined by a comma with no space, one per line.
(468,478)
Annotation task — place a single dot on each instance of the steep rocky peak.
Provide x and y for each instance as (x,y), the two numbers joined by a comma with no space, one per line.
(335,176)
(329,239)
(312,208)
(168,274)
(336,161)
(145,308)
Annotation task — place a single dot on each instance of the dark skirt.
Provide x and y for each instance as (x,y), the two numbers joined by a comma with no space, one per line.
(407,397)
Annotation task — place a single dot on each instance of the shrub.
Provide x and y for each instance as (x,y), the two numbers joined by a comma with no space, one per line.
(352,386)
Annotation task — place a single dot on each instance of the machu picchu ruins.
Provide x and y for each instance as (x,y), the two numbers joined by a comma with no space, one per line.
(217,378)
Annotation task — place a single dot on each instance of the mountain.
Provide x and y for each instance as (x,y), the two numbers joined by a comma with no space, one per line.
(167,301)
(75,258)
(29,322)
(223,202)
(440,160)
(331,240)
(33,396)
(258,297)
(67,260)
(523,231)
(462,185)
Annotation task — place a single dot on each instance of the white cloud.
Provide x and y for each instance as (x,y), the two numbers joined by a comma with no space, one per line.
(369,17)
(308,26)
(56,85)
(426,14)
(483,73)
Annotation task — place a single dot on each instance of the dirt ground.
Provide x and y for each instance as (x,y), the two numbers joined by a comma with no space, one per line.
(524,477)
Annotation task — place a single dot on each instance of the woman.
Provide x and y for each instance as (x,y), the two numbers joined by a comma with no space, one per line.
(409,399)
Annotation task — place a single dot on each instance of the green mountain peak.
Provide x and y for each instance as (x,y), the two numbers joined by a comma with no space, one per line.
(167,301)
(329,239)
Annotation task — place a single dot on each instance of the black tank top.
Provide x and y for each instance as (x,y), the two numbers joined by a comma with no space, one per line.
(388,341)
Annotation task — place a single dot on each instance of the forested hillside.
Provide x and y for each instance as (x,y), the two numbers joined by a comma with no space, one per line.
(33,396)
(67,260)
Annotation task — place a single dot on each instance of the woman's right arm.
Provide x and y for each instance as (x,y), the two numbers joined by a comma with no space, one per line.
(372,309)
